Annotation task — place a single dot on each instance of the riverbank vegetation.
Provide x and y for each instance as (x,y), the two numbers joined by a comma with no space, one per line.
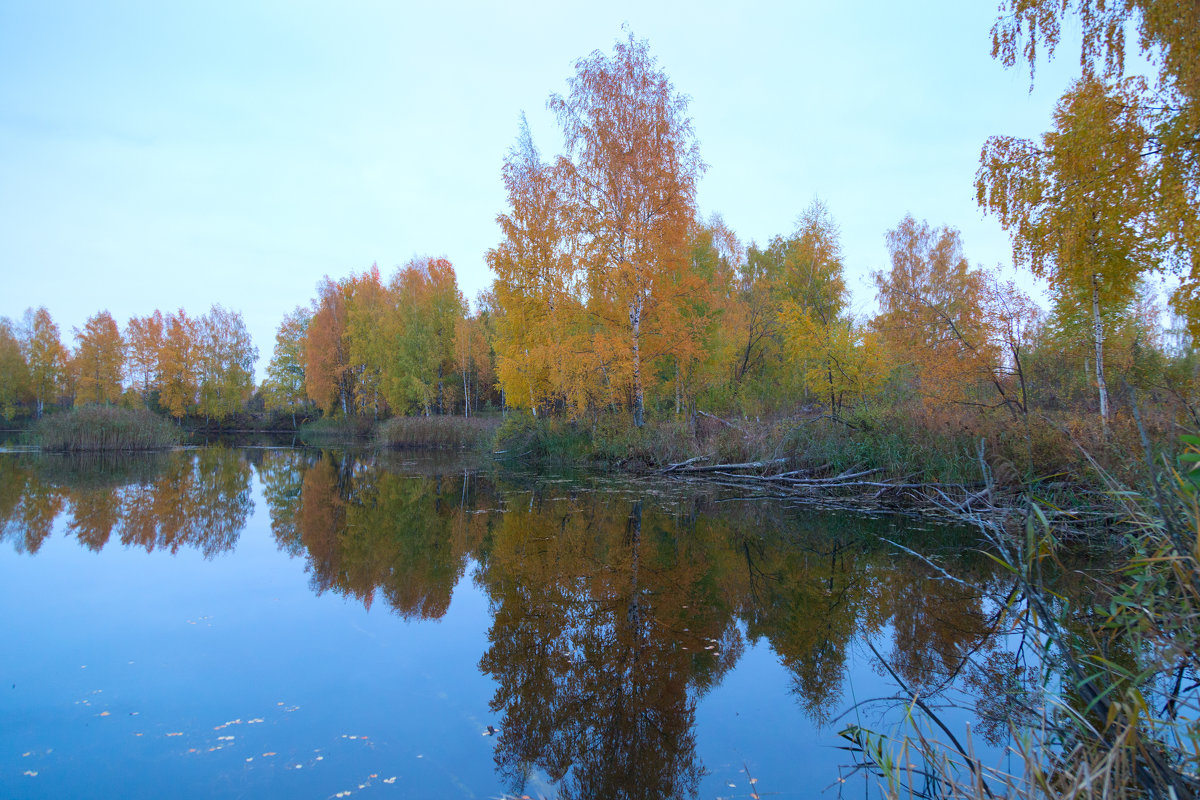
(624,328)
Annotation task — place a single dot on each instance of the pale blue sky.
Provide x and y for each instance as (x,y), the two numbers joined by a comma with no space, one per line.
(159,155)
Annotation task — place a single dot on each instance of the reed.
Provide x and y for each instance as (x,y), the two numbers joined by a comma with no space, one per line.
(436,432)
(96,428)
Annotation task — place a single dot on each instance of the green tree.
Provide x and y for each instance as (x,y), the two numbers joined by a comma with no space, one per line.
(14,371)
(284,386)
(225,361)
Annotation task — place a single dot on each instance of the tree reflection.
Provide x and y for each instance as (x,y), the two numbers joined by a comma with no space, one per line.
(612,613)
(368,530)
(184,499)
(607,627)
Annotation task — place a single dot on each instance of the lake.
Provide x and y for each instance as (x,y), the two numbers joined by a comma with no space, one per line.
(279,622)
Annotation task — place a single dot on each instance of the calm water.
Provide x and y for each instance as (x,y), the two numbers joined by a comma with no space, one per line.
(296,623)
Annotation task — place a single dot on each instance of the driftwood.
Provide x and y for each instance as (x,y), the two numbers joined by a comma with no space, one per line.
(724,422)
(722,467)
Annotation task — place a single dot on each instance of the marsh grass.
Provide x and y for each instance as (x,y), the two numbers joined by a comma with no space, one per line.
(98,428)
(337,430)
(436,432)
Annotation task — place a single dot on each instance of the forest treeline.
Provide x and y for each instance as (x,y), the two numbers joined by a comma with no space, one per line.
(615,300)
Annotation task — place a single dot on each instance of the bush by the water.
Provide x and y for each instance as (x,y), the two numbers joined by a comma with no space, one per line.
(444,431)
(96,427)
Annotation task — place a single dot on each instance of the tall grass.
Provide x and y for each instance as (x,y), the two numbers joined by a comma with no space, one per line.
(93,428)
(436,432)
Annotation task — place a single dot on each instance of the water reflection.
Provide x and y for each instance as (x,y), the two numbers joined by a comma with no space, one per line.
(189,499)
(614,607)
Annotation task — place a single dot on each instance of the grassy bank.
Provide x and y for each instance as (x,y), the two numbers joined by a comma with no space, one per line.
(94,428)
(912,443)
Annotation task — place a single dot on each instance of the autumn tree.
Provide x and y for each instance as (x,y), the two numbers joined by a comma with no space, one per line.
(813,300)
(225,357)
(1077,205)
(14,371)
(177,360)
(45,356)
(630,172)
(1165,117)
(143,344)
(100,360)
(328,381)
(284,385)
(538,333)
(931,312)
(472,358)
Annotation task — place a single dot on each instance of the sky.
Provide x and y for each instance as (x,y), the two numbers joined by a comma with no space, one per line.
(178,155)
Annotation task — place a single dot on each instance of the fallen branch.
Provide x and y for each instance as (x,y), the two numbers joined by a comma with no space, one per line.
(724,467)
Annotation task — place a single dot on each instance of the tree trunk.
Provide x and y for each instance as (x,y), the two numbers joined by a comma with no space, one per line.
(440,397)
(1098,336)
(678,390)
(639,400)
(466,396)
